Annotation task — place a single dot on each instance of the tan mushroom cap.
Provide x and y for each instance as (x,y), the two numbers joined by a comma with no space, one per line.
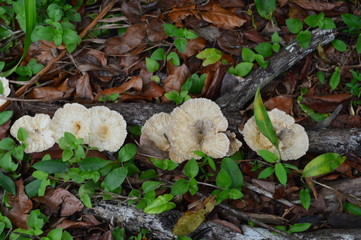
(234,144)
(197,125)
(40,136)
(293,139)
(156,129)
(6,88)
(108,129)
(73,118)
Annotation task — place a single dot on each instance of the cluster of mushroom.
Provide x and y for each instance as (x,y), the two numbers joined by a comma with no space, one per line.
(5,89)
(293,139)
(99,126)
(197,125)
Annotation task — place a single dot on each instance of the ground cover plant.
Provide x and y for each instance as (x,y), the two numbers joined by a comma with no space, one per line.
(234,113)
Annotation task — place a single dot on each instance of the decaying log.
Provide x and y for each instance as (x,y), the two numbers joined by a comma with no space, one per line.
(285,59)
(340,141)
(160,225)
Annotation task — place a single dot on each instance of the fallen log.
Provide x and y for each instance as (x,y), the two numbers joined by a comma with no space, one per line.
(342,141)
(244,91)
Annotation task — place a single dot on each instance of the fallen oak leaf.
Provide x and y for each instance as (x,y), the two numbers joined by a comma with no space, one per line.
(222,17)
(135,82)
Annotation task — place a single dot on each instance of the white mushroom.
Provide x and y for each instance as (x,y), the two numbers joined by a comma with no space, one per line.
(6,89)
(73,118)
(40,137)
(198,125)
(293,139)
(156,129)
(234,144)
(108,129)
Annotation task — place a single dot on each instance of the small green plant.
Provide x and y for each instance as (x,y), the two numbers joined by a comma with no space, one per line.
(317,117)
(160,55)
(355,84)
(351,208)
(29,70)
(5,225)
(181,35)
(209,56)
(266,8)
(194,84)
(305,198)
(294,228)
(323,164)
(177,97)
(354,26)
(109,98)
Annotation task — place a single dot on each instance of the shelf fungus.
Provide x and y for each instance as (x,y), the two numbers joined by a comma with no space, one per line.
(73,118)
(108,129)
(293,139)
(40,136)
(4,89)
(156,130)
(199,125)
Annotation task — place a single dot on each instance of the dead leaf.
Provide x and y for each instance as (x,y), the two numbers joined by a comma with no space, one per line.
(194,46)
(229,225)
(4,129)
(60,197)
(282,2)
(68,224)
(155,31)
(132,10)
(322,6)
(232,3)
(107,236)
(213,91)
(176,78)
(83,90)
(179,14)
(45,93)
(281,102)
(153,90)
(135,82)
(148,148)
(221,17)
(254,36)
(325,104)
(21,206)
(347,121)
(130,40)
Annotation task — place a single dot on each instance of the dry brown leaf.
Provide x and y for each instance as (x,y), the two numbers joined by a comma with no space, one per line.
(83,90)
(148,148)
(135,82)
(179,14)
(282,2)
(130,40)
(229,40)
(45,93)
(229,225)
(21,206)
(194,46)
(176,78)
(325,104)
(222,18)
(42,51)
(213,91)
(281,102)
(4,129)
(153,90)
(155,31)
(60,197)
(107,236)
(132,10)
(232,3)
(254,36)
(322,6)
(68,224)
(347,121)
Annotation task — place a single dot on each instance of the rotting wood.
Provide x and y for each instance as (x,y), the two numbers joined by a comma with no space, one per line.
(279,63)
(342,141)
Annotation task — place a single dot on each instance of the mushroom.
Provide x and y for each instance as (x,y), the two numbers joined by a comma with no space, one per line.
(234,143)
(156,130)
(40,136)
(73,118)
(108,129)
(6,89)
(293,139)
(198,125)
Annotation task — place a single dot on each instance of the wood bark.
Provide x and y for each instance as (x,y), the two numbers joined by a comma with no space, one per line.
(284,60)
(340,141)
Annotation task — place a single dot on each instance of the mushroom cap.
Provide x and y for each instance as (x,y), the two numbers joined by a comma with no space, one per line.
(156,129)
(234,143)
(193,125)
(293,139)
(6,92)
(40,136)
(108,129)
(73,118)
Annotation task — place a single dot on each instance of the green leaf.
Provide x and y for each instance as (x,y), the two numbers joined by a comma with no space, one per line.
(352,20)
(6,162)
(304,38)
(173,58)
(268,156)
(260,60)
(118,233)
(265,8)
(150,186)
(339,45)
(223,179)
(5,116)
(210,56)
(22,134)
(328,23)
(321,77)
(127,152)
(189,34)
(180,187)
(243,68)
(299,227)
(51,166)
(294,25)
(352,208)
(265,49)
(32,187)
(313,20)
(151,65)
(247,55)
(305,198)
(165,164)
(281,173)
(36,219)
(115,178)
(335,78)
(92,163)
(358,44)
(170,29)
(191,168)
(42,33)
(323,164)
(7,184)
(158,54)
(181,44)
(55,234)
(7,144)
(193,186)
(160,204)
(266,172)
(235,194)
(263,121)
(55,12)
(147,174)
(231,167)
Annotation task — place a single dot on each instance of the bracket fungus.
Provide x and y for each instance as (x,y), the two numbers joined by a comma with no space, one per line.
(293,139)
(156,130)
(198,125)
(40,136)
(73,118)
(5,89)
(108,129)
